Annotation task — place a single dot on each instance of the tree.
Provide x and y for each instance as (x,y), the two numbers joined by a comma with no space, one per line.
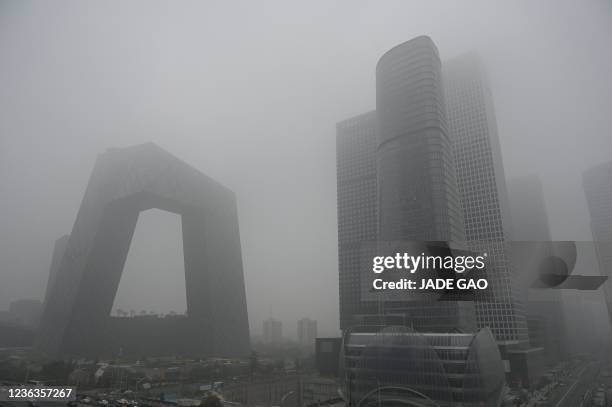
(211,400)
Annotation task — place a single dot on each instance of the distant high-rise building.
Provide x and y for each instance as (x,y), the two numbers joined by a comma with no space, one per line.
(597,183)
(482,189)
(307,333)
(356,143)
(418,198)
(27,312)
(585,316)
(544,308)
(59,249)
(528,209)
(272,331)
(484,200)
(327,355)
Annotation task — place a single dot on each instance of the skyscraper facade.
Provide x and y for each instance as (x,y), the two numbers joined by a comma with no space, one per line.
(356,142)
(597,183)
(307,333)
(426,166)
(417,190)
(482,189)
(272,331)
(543,308)
(396,181)
(528,209)
(418,199)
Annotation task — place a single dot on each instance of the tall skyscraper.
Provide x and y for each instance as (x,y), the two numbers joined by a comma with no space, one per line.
(406,174)
(597,183)
(417,190)
(356,143)
(544,308)
(396,181)
(418,198)
(272,331)
(482,189)
(27,312)
(528,209)
(307,333)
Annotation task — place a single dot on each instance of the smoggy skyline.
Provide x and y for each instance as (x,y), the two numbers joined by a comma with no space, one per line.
(250,94)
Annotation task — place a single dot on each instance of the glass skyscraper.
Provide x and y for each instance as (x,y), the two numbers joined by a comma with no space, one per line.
(418,198)
(482,188)
(417,190)
(544,308)
(357,220)
(396,182)
(426,166)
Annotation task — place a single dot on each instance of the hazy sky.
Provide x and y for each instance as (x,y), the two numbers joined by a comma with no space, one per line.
(249,93)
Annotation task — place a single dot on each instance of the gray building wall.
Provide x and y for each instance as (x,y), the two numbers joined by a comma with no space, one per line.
(27,312)
(307,333)
(272,331)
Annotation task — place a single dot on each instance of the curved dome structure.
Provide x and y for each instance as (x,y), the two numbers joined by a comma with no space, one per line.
(484,356)
(398,366)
